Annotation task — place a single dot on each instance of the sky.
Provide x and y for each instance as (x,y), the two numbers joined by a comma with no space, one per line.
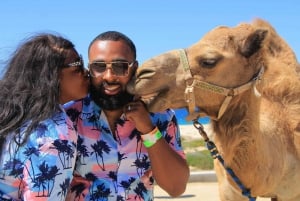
(155,26)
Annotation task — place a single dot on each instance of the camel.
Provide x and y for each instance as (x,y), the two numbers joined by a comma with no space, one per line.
(246,79)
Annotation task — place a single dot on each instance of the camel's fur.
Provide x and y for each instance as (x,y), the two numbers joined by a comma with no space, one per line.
(258,137)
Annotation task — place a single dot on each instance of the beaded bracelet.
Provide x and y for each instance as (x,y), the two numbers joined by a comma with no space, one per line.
(151,138)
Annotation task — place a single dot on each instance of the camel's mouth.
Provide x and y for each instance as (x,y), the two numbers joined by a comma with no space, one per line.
(149,98)
(155,101)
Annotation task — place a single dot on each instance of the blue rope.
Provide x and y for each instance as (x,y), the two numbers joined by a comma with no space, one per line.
(215,154)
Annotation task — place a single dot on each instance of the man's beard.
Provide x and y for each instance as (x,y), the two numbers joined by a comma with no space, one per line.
(109,102)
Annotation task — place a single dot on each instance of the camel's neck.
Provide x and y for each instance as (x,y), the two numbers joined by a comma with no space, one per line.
(237,132)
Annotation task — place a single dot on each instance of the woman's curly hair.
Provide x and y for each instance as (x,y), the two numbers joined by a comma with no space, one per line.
(29,89)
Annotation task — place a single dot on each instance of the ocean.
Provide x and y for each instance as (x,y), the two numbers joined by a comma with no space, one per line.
(182,113)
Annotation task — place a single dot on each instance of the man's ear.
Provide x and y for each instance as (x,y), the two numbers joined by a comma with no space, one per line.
(131,84)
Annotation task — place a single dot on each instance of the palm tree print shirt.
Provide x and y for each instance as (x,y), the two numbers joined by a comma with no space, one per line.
(114,168)
(42,168)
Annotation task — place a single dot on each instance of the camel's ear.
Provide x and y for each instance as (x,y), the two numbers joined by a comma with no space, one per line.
(253,43)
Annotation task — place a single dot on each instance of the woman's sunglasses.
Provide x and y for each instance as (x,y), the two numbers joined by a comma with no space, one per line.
(77,64)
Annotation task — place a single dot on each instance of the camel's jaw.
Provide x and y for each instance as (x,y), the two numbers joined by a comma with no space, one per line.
(158,95)
(149,98)
(155,101)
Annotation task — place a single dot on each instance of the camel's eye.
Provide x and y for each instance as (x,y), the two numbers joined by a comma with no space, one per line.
(208,63)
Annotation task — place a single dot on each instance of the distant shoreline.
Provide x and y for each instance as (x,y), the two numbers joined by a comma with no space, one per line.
(189,131)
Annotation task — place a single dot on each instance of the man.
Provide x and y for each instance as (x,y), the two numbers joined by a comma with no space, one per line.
(122,147)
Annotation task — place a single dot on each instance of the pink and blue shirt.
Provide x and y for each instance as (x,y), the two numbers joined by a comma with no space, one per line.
(115,168)
(41,169)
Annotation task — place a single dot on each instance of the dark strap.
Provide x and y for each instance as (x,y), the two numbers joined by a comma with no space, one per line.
(215,154)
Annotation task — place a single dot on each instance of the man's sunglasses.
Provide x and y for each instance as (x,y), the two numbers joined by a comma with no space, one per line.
(119,68)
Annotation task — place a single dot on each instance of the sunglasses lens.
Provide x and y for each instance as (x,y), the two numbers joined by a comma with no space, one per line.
(97,68)
(120,68)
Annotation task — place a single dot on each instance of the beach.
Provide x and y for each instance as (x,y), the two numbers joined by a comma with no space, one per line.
(189,132)
(195,191)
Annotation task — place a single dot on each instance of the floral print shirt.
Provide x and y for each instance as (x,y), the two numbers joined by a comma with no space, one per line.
(114,168)
(42,168)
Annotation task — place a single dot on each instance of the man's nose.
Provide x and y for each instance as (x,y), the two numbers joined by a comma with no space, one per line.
(109,74)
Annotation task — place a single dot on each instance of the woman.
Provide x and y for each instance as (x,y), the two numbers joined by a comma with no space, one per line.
(38,140)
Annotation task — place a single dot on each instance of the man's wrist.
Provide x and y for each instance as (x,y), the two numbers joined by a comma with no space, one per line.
(151,138)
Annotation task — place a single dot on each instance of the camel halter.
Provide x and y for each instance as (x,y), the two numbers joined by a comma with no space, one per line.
(229,93)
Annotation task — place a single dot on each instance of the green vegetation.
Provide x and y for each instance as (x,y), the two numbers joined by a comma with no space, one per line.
(198,157)
(192,143)
(200,160)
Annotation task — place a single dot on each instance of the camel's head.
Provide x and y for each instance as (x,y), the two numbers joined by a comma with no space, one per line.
(224,57)
(157,80)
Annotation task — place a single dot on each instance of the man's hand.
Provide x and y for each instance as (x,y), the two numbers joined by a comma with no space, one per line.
(137,112)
